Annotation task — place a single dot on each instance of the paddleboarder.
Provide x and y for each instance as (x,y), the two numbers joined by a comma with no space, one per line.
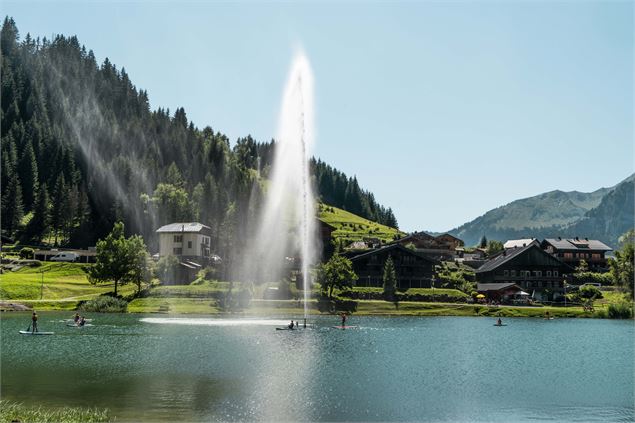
(499,322)
(343,319)
(34,322)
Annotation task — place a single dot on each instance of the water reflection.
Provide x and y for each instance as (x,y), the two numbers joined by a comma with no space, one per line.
(399,369)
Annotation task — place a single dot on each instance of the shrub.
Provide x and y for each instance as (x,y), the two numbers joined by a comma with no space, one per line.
(590,292)
(166,268)
(580,278)
(105,304)
(620,311)
(27,253)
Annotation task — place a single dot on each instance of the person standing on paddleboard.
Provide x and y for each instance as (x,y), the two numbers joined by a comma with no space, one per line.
(343,319)
(34,322)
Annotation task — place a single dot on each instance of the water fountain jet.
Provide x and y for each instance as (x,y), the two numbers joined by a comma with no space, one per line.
(287,223)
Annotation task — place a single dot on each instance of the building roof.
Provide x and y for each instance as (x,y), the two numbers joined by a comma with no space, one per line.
(393,247)
(184,227)
(578,244)
(515,243)
(447,235)
(496,286)
(511,253)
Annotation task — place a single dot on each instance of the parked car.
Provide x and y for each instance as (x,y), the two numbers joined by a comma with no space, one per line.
(65,257)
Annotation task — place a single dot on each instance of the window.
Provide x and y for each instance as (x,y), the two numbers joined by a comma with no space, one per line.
(505,272)
(528,284)
(555,273)
(206,240)
(178,238)
(513,272)
(548,273)
(189,244)
(177,251)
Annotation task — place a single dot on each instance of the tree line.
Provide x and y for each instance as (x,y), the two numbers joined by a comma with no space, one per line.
(81,149)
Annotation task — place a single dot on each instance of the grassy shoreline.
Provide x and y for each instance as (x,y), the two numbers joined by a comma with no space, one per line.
(63,285)
(11,411)
(177,306)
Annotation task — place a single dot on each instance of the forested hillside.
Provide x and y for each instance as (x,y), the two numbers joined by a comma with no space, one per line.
(81,148)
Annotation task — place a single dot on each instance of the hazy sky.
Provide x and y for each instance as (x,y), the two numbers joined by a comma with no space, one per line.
(443,110)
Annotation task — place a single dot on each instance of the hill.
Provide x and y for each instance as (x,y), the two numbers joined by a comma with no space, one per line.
(81,148)
(350,227)
(603,214)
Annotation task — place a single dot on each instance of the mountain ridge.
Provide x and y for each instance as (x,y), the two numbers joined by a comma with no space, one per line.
(557,213)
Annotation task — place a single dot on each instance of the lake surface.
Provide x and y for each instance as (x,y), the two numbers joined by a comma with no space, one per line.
(389,369)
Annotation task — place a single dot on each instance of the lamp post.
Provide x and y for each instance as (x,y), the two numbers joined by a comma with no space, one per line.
(432,281)
(564,285)
(42,285)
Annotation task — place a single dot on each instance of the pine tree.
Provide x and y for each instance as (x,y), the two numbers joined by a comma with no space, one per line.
(39,224)
(389,279)
(12,206)
(27,169)
(59,205)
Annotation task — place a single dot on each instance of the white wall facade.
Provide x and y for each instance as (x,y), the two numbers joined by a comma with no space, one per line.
(183,244)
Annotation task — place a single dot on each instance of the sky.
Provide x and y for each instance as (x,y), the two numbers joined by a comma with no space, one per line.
(444,110)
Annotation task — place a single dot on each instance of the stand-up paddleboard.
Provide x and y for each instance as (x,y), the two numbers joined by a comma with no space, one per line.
(345,327)
(77,326)
(286,329)
(27,332)
(502,324)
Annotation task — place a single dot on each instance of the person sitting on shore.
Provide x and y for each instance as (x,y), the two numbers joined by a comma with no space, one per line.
(291,325)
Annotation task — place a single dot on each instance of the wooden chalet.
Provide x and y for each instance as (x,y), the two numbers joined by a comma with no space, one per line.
(413,269)
(501,292)
(533,269)
(442,247)
(573,251)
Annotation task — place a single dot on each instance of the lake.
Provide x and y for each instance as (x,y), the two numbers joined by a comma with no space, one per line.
(441,369)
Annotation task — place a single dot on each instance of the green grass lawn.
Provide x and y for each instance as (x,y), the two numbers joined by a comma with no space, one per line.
(351,227)
(53,282)
(65,284)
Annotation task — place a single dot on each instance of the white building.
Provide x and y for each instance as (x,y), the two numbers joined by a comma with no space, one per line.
(184,240)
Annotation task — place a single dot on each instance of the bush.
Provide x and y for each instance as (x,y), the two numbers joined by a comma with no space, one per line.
(336,304)
(580,278)
(590,292)
(27,253)
(166,269)
(620,311)
(105,304)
